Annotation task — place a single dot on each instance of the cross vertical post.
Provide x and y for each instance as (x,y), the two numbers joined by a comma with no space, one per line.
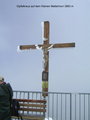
(45,57)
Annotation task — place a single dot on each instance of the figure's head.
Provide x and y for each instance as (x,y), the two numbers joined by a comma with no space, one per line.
(1,79)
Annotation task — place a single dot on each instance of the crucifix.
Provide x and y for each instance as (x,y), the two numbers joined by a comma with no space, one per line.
(45,47)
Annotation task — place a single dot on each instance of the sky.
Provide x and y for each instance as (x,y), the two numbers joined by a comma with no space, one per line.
(69,68)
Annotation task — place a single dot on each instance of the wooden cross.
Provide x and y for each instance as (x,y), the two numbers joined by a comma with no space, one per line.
(45,48)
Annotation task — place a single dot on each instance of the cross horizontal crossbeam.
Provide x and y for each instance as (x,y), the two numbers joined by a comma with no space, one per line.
(60,45)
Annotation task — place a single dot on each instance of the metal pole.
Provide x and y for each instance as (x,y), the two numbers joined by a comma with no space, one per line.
(71,106)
